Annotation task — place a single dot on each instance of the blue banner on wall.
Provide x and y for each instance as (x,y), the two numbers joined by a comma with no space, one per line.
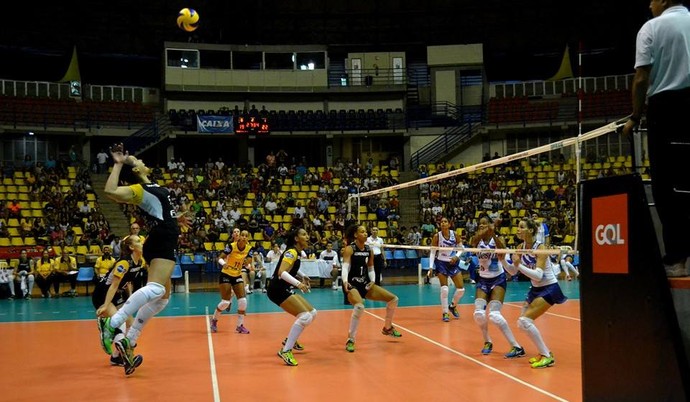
(214,124)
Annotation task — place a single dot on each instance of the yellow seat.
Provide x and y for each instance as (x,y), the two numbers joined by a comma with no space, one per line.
(13,231)
(77,230)
(224,236)
(95,249)
(17,242)
(29,241)
(81,250)
(5,242)
(219,245)
(258,236)
(208,246)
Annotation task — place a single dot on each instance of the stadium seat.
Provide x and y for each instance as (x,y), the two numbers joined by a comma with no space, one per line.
(85,275)
(177,274)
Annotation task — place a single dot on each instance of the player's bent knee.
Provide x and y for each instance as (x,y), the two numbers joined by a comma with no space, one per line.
(480,317)
(304,319)
(525,323)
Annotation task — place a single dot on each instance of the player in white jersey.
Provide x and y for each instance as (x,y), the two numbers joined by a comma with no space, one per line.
(543,294)
(491,288)
(446,265)
(567,264)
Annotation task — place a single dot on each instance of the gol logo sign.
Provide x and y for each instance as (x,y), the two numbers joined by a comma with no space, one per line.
(610,225)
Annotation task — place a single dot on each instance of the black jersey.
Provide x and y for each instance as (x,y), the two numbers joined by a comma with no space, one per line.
(155,202)
(24,266)
(359,267)
(125,269)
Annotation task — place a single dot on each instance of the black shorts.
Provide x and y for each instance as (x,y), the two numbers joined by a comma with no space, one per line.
(233,280)
(98,296)
(278,292)
(361,288)
(160,244)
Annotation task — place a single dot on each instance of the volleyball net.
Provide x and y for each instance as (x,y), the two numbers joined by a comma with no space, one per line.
(524,173)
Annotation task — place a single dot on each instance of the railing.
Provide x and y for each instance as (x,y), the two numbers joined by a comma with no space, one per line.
(448,142)
(149,136)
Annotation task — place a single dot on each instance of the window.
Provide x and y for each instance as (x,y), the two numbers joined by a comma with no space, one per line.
(246,60)
(279,61)
(213,59)
(182,58)
(310,60)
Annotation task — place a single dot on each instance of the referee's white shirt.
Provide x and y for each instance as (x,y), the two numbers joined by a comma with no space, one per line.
(376,244)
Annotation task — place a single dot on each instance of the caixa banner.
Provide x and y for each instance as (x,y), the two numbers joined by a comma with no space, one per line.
(214,124)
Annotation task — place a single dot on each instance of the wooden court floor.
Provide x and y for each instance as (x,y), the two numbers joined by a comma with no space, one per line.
(51,352)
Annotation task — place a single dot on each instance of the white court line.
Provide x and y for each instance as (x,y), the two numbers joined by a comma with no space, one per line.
(212,358)
(473,360)
(547,313)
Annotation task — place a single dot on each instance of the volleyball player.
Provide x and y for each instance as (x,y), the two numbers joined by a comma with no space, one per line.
(544,293)
(280,291)
(232,261)
(359,282)
(112,291)
(446,265)
(159,252)
(491,288)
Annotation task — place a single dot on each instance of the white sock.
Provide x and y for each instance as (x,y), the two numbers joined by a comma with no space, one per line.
(222,306)
(145,313)
(444,299)
(497,319)
(527,325)
(459,292)
(480,318)
(357,312)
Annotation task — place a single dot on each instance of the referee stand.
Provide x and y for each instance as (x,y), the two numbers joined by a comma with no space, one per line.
(632,345)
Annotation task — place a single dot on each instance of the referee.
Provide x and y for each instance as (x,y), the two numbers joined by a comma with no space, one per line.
(662,73)
(376,244)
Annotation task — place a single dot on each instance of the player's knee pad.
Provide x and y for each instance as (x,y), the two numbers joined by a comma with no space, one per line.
(480,317)
(158,305)
(304,319)
(358,310)
(479,304)
(496,317)
(444,292)
(495,305)
(525,323)
(223,305)
(242,304)
(153,290)
(313,314)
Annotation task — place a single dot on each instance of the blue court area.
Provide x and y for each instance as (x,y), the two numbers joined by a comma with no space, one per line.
(196,303)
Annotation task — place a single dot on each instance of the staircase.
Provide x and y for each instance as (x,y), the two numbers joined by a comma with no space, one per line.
(119,224)
(149,136)
(409,201)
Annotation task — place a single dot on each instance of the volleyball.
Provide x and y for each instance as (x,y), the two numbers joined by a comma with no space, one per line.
(188,19)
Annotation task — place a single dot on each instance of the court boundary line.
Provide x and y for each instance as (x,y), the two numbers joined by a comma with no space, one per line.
(473,360)
(212,359)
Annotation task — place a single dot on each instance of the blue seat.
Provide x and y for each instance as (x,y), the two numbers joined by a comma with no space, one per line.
(186,259)
(176,274)
(388,254)
(426,263)
(411,257)
(398,258)
(86,274)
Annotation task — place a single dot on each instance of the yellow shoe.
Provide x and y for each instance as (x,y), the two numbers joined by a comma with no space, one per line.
(544,362)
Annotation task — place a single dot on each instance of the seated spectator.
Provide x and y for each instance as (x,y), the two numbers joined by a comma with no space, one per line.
(14,209)
(269,233)
(45,273)
(24,274)
(103,263)
(65,271)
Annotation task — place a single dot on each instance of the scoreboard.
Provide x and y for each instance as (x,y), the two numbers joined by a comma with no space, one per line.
(247,124)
